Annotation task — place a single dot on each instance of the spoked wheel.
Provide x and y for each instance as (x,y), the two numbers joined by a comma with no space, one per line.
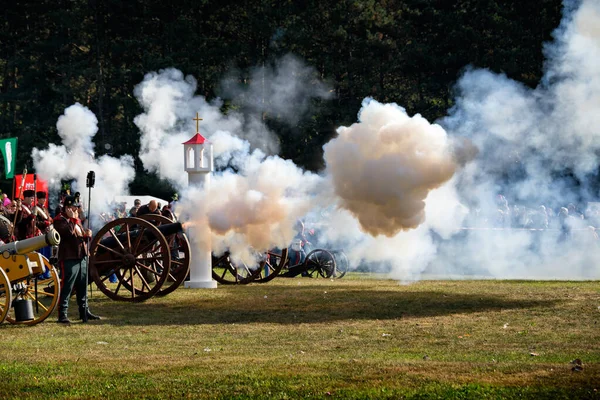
(180,262)
(136,252)
(272,265)
(225,271)
(341,263)
(43,293)
(5,295)
(320,263)
(180,255)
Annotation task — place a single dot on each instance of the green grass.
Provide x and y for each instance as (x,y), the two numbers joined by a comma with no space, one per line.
(307,338)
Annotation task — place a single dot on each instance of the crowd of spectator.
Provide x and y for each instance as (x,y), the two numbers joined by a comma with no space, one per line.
(519,216)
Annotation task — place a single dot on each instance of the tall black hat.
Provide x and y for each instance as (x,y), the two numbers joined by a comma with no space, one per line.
(70,201)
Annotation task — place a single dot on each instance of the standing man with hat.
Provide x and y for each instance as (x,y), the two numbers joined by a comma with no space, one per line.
(72,253)
(26,228)
(42,215)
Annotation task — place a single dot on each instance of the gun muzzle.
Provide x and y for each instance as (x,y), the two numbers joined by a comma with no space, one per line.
(51,238)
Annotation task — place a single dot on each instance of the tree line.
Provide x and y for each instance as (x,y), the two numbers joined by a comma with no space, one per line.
(54,53)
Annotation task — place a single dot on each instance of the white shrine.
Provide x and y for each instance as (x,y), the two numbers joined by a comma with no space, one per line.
(199,164)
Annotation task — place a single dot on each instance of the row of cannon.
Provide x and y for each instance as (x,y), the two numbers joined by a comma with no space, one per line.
(133,259)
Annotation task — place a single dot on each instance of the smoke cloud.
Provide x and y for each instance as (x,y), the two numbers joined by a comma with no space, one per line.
(284,89)
(383,167)
(539,150)
(463,197)
(75,158)
(267,193)
(457,198)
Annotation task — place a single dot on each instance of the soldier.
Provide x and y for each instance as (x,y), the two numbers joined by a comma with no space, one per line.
(72,253)
(42,215)
(7,219)
(26,228)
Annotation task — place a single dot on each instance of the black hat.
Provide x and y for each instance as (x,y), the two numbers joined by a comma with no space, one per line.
(40,195)
(70,201)
(29,193)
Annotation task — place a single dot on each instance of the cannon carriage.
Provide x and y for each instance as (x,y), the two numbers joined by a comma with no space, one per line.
(29,283)
(317,263)
(149,256)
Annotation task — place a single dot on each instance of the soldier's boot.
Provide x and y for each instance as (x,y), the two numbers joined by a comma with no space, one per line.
(63,318)
(85,315)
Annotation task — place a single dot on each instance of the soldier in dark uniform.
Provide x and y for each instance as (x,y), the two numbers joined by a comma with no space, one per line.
(72,253)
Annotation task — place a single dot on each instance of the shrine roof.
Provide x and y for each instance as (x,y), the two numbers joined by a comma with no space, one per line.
(197,139)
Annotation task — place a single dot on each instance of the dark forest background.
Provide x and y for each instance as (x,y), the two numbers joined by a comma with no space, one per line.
(55,53)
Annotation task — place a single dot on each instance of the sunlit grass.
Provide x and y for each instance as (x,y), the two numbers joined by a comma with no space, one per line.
(296,338)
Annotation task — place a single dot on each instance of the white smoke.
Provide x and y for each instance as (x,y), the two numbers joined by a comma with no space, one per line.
(267,193)
(169,108)
(527,139)
(396,189)
(75,158)
(383,167)
(284,89)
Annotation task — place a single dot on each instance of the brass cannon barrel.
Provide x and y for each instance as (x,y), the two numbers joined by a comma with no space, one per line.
(51,238)
(166,230)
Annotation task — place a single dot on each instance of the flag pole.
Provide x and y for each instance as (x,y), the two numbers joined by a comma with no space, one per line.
(18,198)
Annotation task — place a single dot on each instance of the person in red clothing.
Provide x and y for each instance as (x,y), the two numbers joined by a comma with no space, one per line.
(26,226)
(72,254)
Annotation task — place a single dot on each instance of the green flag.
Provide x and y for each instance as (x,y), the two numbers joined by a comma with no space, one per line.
(9,152)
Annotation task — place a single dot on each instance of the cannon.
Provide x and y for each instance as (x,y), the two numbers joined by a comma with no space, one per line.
(268,266)
(148,256)
(29,284)
(317,263)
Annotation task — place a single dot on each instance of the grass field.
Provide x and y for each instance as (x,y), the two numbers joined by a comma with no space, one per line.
(307,338)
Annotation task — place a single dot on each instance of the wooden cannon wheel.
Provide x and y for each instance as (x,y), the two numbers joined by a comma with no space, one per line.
(43,292)
(341,263)
(136,252)
(5,295)
(271,266)
(180,255)
(320,263)
(227,272)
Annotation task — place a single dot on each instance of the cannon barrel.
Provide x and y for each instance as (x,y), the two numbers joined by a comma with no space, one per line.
(51,238)
(165,229)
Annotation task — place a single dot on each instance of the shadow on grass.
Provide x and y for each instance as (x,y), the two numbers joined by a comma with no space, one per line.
(306,304)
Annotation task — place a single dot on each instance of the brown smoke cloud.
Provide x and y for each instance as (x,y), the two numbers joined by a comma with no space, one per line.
(384,166)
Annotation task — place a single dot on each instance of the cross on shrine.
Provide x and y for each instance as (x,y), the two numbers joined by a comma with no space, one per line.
(197,119)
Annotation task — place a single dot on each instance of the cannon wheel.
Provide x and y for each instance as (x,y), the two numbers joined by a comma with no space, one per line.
(44,294)
(274,262)
(227,272)
(341,264)
(180,255)
(141,262)
(320,263)
(5,295)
